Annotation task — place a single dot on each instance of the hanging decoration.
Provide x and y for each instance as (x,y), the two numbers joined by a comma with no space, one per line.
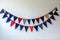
(34,20)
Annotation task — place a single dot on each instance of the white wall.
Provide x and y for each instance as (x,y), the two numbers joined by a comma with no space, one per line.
(29,9)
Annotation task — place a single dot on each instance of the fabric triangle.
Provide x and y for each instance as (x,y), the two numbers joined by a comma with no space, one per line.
(42,18)
(19,20)
(28,21)
(51,13)
(52,17)
(26,28)
(49,21)
(21,27)
(24,21)
(36,28)
(16,25)
(15,18)
(33,20)
(56,14)
(56,9)
(2,11)
(5,15)
(31,28)
(12,23)
(10,15)
(41,26)
(47,16)
(8,20)
(45,23)
(37,19)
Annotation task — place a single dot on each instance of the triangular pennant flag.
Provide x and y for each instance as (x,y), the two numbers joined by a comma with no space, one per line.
(45,23)
(10,15)
(49,21)
(2,11)
(56,14)
(5,15)
(51,13)
(28,21)
(16,25)
(26,28)
(15,18)
(41,26)
(55,9)
(47,16)
(52,17)
(31,28)
(8,20)
(24,21)
(37,19)
(12,23)
(21,27)
(19,20)
(33,20)
(36,27)
(42,18)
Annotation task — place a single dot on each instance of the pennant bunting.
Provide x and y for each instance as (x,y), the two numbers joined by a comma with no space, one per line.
(31,28)
(56,13)
(21,27)
(49,16)
(5,15)
(28,21)
(2,11)
(37,19)
(45,23)
(36,28)
(12,23)
(24,21)
(52,17)
(26,28)
(41,26)
(16,25)
(15,18)
(49,21)
(19,20)
(42,18)
(33,20)
(8,20)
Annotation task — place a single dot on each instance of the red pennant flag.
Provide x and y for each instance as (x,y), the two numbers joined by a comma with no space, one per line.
(37,19)
(12,23)
(19,20)
(31,28)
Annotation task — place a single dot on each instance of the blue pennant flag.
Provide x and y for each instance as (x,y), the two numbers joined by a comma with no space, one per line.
(28,21)
(4,16)
(15,18)
(8,20)
(36,27)
(21,27)
(56,14)
(2,11)
(33,20)
(52,17)
(45,23)
(42,18)
(49,21)
(51,13)
(10,15)
(41,26)
(16,25)
(26,28)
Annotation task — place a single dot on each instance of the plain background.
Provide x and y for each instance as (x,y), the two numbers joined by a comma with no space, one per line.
(29,9)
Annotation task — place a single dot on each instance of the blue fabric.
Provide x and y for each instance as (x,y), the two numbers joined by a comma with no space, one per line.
(41,26)
(36,28)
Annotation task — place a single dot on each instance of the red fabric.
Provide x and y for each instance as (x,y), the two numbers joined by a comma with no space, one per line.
(12,23)
(37,19)
(31,28)
(19,20)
